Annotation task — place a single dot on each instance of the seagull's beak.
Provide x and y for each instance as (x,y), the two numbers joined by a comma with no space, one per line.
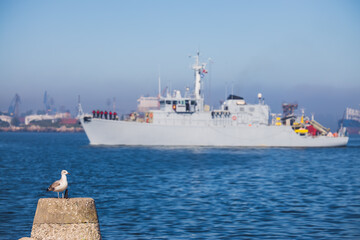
(68,173)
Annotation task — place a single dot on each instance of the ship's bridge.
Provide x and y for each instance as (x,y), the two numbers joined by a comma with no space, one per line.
(177,103)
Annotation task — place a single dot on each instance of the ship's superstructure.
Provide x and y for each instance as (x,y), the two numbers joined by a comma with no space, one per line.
(146,104)
(351,121)
(184,120)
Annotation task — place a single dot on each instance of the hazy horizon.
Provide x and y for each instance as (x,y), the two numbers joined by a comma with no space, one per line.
(291,51)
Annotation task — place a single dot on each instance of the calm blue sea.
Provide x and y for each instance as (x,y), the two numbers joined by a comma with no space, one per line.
(191,193)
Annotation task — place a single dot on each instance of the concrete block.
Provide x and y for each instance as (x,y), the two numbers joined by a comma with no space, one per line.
(73,218)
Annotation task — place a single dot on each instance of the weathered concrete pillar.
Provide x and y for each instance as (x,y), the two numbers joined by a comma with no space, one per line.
(73,218)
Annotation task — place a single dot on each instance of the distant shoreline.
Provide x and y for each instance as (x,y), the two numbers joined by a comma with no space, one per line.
(62,129)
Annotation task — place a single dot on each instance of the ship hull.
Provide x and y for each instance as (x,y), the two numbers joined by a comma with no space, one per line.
(352,126)
(105,132)
(353,130)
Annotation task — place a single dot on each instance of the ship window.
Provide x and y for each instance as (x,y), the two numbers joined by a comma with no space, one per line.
(168,102)
(174,102)
(242,109)
(192,102)
(226,108)
(162,102)
(251,109)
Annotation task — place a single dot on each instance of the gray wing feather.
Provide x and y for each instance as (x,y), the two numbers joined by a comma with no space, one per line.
(54,185)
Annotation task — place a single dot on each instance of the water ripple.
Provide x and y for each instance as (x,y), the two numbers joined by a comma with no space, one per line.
(186,193)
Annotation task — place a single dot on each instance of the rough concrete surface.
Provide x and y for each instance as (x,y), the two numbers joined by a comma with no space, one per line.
(74,218)
(66,231)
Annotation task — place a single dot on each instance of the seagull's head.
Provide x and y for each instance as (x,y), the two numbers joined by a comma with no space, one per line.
(64,172)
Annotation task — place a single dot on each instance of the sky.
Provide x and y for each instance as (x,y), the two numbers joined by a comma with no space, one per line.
(306,52)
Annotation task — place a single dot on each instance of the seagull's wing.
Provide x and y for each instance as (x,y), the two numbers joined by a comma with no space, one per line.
(54,185)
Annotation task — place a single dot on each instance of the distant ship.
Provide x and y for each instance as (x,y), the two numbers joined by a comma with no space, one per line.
(184,120)
(351,121)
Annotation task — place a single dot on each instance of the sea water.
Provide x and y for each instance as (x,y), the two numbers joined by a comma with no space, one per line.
(186,193)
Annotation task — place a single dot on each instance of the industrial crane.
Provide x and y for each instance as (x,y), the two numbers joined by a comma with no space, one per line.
(14,106)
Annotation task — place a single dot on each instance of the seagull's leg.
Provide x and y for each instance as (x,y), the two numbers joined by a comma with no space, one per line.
(62,194)
(58,195)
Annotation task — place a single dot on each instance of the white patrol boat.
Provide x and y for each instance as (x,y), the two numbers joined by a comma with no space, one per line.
(186,121)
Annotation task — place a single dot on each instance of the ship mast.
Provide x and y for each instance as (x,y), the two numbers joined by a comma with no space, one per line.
(159,85)
(198,68)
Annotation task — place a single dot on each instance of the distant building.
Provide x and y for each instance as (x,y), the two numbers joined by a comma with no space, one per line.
(68,121)
(32,118)
(5,118)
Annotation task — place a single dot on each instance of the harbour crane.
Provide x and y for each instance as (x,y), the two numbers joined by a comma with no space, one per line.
(14,106)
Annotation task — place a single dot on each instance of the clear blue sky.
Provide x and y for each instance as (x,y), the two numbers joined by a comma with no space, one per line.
(304,51)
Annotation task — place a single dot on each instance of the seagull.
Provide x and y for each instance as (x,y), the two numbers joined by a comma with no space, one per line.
(59,185)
